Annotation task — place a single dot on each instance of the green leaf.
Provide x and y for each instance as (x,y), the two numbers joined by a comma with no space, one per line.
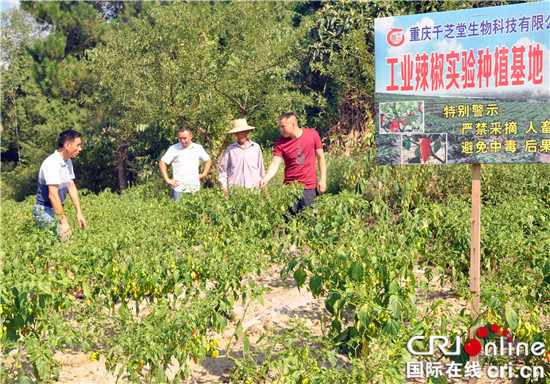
(186,372)
(355,272)
(394,288)
(315,285)
(124,312)
(25,379)
(438,380)
(45,287)
(391,327)
(396,305)
(300,277)
(292,264)
(429,274)
(160,377)
(318,229)
(43,369)
(330,302)
(332,358)
(436,146)
(364,316)
(86,290)
(511,318)
(342,335)
(239,329)
(463,357)
(85,346)
(494,303)
(260,300)
(12,334)
(246,343)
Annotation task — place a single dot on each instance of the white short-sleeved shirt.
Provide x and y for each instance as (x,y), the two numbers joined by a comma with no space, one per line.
(54,171)
(185,165)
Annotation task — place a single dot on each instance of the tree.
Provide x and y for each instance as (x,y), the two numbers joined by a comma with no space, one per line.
(23,105)
(47,87)
(200,65)
(342,56)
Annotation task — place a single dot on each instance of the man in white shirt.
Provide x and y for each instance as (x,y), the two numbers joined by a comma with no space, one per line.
(184,157)
(55,180)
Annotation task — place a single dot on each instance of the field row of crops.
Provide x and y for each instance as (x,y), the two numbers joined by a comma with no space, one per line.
(159,279)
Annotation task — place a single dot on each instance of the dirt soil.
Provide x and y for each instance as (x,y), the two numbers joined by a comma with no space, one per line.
(281,304)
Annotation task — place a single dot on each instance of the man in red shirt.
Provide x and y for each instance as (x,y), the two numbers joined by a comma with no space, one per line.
(299,148)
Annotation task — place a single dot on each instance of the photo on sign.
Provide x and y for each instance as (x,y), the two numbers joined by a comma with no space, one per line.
(424,149)
(400,117)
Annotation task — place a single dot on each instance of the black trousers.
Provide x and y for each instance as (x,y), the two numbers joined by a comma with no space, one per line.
(309,196)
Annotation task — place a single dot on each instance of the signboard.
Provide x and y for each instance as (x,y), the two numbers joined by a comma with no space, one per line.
(470,86)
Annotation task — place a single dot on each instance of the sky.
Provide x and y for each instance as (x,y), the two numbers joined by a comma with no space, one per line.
(383,50)
(7,4)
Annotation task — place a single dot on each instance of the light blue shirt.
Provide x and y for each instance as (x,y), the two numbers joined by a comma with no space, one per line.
(54,171)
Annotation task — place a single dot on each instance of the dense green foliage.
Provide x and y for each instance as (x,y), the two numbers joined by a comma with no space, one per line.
(139,248)
(127,73)
(198,65)
(160,278)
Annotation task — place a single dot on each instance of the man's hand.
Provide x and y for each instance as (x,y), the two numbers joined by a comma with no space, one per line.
(262,183)
(321,186)
(207,166)
(81,221)
(66,231)
(225,192)
(173,183)
(321,162)
(164,174)
(271,171)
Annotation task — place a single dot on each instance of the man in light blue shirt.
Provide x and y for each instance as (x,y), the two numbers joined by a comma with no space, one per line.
(185,157)
(55,180)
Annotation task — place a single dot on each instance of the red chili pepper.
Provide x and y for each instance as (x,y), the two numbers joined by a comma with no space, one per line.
(381,119)
(425,148)
(395,123)
(403,122)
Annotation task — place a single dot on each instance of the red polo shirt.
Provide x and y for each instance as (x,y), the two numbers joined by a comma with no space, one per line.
(299,157)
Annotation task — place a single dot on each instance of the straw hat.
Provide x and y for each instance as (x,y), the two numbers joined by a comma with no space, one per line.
(240,125)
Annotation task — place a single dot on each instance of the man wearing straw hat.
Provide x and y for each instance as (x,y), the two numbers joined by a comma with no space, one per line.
(242,163)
